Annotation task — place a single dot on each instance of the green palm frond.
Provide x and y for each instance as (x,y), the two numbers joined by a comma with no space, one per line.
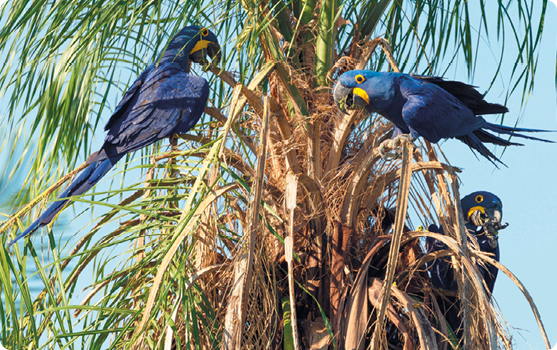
(166,251)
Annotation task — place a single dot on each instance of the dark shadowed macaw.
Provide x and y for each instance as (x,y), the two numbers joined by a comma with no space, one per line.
(163,100)
(483,212)
(426,106)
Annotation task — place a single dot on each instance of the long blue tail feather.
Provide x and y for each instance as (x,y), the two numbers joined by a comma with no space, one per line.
(475,144)
(507,130)
(476,139)
(485,136)
(86,179)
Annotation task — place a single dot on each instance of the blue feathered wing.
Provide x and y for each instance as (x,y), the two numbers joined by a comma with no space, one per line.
(162,101)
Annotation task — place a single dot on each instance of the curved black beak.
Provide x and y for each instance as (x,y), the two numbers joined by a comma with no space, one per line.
(493,223)
(212,51)
(343,97)
(350,98)
(489,219)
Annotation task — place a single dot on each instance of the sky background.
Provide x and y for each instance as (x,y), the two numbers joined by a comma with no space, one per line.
(528,188)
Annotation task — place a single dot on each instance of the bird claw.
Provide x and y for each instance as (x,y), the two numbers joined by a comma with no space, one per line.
(208,65)
(388,155)
(393,144)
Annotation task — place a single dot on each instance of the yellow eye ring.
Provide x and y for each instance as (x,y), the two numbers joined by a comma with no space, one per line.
(359,78)
(479,198)
(204,31)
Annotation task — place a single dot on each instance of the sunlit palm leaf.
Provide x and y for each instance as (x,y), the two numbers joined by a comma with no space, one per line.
(68,64)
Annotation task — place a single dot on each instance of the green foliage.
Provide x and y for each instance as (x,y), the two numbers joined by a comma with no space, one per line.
(68,63)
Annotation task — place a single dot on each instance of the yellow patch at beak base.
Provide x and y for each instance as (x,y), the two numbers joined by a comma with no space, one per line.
(362,93)
(473,209)
(201,44)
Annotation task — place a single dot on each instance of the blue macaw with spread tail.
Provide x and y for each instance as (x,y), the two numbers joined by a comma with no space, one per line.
(483,212)
(426,106)
(163,100)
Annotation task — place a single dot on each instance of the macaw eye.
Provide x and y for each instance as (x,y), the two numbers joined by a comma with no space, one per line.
(479,198)
(204,31)
(360,79)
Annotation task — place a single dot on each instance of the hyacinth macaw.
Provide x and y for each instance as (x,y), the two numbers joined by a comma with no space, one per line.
(162,101)
(426,106)
(483,212)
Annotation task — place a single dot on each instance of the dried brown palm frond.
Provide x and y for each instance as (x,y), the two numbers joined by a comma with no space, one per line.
(280,203)
(341,229)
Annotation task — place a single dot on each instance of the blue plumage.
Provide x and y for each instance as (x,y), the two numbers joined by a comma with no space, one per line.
(483,213)
(429,107)
(163,100)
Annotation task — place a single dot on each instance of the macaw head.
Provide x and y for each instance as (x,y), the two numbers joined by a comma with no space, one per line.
(483,209)
(207,44)
(359,89)
(194,44)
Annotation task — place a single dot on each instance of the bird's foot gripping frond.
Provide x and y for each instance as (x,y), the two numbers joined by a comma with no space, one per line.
(393,144)
(385,154)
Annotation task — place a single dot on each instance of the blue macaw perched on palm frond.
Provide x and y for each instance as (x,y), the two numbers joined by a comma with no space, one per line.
(163,100)
(425,106)
(483,212)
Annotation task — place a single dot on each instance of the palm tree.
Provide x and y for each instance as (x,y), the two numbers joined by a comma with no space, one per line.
(275,223)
